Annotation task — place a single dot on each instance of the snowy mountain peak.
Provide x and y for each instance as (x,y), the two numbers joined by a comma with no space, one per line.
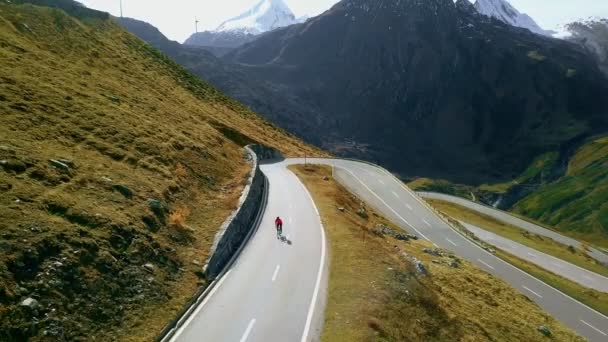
(505,12)
(266,15)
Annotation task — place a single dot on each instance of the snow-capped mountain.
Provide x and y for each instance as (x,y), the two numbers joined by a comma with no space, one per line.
(265,16)
(504,11)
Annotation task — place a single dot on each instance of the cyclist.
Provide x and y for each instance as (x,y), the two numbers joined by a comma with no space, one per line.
(278,223)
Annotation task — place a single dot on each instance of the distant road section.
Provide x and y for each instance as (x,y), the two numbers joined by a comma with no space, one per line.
(516,221)
(548,262)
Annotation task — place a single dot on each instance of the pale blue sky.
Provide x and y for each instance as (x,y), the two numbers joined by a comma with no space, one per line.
(175,18)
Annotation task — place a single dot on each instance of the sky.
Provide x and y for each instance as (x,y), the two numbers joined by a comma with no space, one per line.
(175,18)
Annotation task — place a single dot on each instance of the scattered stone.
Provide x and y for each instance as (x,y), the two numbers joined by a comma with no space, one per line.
(454,263)
(60,165)
(433,251)
(325,178)
(157,207)
(67,162)
(420,268)
(106,179)
(413,237)
(341,209)
(544,330)
(362,213)
(149,267)
(435,261)
(384,230)
(13,165)
(196,262)
(30,303)
(123,190)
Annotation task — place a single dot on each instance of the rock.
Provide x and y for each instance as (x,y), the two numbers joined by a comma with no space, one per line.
(341,209)
(123,190)
(435,261)
(157,207)
(413,237)
(30,303)
(67,162)
(420,268)
(433,251)
(362,213)
(106,179)
(59,165)
(149,267)
(13,165)
(325,178)
(544,330)
(401,237)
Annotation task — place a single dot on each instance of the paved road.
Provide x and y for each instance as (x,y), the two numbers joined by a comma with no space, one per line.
(399,204)
(516,221)
(268,294)
(546,261)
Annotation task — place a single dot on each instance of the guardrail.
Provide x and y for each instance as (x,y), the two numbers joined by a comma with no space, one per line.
(232,237)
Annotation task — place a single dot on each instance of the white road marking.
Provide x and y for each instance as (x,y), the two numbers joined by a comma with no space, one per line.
(313,302)
(290,219)
(594,328)
(426,222)
(276,272)
(485,263)
(200,306)
(558,265)
(532,255)
(587,277)
(248,331)
(450,241)
(409,207)
(381,182)
(536,294)
(394,193)
(388,206)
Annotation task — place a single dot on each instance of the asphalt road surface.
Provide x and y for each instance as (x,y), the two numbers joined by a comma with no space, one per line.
(516,221)
(276,291)
(546,261)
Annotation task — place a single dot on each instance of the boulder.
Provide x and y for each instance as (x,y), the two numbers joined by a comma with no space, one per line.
(30,303)
(545,330)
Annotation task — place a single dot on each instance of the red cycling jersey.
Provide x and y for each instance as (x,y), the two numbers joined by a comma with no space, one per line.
(278,222)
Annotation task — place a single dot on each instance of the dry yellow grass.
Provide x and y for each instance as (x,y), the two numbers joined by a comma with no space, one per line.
(374,294)
(101,139)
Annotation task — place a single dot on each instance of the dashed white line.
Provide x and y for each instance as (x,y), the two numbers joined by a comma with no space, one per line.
(532,255)
(450,241)
(381,182)
(248,331)
(594,328)
(426,222)
(409,207)
(276,272)
(290,219)
(558,265)
(485,263)
(394,193)
(536,294)
(587,277)
(383,202)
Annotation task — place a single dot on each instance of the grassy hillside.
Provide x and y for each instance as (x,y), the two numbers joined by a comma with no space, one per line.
(117,167)
(575,203)
(578,202)
(376,293)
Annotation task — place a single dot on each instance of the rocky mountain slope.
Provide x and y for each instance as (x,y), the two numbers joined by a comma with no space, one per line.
(593,35)
(505,12)
(117,168)
(430,87)
(265,16)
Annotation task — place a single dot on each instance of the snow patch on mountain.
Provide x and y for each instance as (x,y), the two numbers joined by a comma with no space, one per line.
(505,12)
(266,15)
